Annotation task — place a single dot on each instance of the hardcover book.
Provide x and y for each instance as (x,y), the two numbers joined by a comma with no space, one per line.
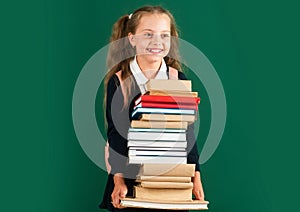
(157,136)
(156,160)
(163,179)
(168,99)
(172,93)
(163,204)
(166,194)
(158,130)
(166,117)
(166,105)
(170,85)
(184,170)
(147,152)
(169,144)
(175,185)
(179,149)
(159,124)
(173,111)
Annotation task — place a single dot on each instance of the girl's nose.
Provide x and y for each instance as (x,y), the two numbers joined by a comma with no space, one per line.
(157,39)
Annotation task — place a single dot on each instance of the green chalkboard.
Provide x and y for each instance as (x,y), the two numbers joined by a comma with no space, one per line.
(254,48)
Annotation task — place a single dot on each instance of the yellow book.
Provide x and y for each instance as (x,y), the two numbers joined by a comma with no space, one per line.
(159,124)
(175,185)
(163,117)
(171,194)
(179,170)
(163,179)
(172,93)
(169,85)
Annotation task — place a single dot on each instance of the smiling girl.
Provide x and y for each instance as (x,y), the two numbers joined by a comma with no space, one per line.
(144,46)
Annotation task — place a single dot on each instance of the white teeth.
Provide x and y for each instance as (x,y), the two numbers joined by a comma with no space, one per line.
(155,50)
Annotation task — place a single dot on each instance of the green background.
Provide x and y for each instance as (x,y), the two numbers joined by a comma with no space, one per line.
(254,47)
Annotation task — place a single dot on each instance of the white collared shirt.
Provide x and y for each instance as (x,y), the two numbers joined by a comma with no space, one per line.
(141,79)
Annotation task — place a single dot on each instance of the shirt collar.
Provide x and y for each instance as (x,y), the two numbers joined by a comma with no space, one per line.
(140,77)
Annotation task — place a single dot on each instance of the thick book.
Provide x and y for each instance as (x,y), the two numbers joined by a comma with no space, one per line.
(163,179)
(172,93)
(163,204)
(135,152)
(170,118)
(166,105)
(156,160)
(159,130)
(172,111)
(159,124)
(156,136)
(168,99)
(170,85)
(169,144)
(176,185)
(184,170)
(171,194)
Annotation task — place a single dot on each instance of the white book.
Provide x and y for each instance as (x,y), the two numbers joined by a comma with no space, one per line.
(133,152)
(168,205)
(141,110)
(155,136)
(170,144)
(158,148)
(157,160)
(159,130)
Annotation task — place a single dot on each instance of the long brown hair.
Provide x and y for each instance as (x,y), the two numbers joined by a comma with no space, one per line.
(121,52)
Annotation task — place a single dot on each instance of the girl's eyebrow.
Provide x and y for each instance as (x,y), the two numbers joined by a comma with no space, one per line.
(153,31)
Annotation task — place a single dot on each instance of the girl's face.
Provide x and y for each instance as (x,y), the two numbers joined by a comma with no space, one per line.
(152,39)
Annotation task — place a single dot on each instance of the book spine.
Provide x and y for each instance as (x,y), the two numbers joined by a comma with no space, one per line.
(149,184)
(141,143)
(171,111)
(166,105)
(164,179)
(171,93)
(163,194)
(160,124)
(133,152)
(156,130)
(184,170)
(156,160)
(156,136)
(170,118)
(170,85)
(168,99)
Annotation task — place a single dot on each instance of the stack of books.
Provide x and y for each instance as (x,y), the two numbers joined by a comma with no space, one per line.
(157,139)
(160,120)
(165,181)
(165,186)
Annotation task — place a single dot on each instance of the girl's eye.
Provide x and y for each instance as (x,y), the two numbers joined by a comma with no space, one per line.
(148,35)
(165,35)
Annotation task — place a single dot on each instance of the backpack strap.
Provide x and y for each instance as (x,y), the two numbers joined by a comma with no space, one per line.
(119,75)
(106,148)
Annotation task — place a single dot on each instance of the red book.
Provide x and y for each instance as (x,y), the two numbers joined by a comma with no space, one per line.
(167,105)
(168,99)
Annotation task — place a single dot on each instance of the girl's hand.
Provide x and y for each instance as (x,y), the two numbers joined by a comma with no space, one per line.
(120,191)
(197,187)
